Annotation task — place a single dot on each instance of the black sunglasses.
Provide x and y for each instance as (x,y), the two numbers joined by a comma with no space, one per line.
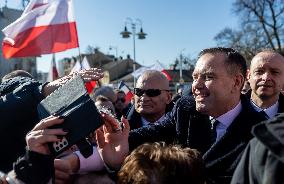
(149,92)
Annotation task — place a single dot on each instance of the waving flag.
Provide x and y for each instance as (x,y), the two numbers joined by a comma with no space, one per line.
(46,26)
(122,86)
(84,65)
(157,66)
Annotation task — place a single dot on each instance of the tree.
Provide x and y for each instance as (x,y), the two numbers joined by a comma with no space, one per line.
(90,49)
(262,26)
(187,62)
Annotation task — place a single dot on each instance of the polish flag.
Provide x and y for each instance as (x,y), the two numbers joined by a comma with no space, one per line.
(46,26)
(84,65)
(157,66)
(123,87)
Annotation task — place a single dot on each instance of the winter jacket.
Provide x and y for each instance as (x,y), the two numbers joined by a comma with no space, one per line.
(263,159)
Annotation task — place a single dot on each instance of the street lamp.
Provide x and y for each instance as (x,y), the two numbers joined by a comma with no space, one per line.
(126,34)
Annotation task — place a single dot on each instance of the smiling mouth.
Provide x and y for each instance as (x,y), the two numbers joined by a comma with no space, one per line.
(265,86)
(200,97)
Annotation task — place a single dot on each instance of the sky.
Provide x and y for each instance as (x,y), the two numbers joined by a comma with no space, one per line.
(172,26)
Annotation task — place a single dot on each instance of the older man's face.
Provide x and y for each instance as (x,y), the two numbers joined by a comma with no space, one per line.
(151,105)
(266,75)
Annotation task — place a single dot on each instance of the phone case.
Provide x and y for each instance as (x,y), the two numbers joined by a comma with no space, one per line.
(73,103)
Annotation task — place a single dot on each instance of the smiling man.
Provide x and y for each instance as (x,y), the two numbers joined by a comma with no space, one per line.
(266,78)
(217,121)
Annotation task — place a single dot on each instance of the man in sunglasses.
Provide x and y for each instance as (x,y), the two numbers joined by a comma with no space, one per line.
(216,120)
(151,98)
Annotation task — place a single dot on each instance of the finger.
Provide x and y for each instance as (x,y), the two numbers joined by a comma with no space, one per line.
(91,71)
(110,122)
(43,139)
(48,132)
(100,138)
(62,165)
(91,74)
(48,122)
(42,122)
(59,175)
(126,127)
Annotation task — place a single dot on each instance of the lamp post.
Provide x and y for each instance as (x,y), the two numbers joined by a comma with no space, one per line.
(115,48)
(180,67)
(126,34)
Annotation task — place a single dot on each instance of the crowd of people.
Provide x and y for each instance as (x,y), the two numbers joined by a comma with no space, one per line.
(221,131)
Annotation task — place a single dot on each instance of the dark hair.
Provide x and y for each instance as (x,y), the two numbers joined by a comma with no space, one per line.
(235,61)
(102,98)
(158,163)
(117,91)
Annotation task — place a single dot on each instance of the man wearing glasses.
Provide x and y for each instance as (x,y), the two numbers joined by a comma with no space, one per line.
(150,100)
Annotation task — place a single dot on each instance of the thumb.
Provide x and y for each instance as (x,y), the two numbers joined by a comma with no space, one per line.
(100,138)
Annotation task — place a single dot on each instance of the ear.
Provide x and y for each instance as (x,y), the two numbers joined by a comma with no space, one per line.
(239,82)
(248,74)
(168,97)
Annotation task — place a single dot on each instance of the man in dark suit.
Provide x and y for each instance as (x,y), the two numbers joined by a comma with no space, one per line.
(261,162)
(216,120)
(266,78)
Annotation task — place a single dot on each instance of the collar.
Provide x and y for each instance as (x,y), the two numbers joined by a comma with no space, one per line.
(146,123)
(227,118)
(270,111)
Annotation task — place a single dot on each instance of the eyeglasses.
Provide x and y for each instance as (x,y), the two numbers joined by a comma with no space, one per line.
(120,99)
(149,92)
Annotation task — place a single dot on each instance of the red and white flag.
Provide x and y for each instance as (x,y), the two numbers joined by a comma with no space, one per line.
(84,65)
(123,87)
(46,26)
(157,66)
(53,73)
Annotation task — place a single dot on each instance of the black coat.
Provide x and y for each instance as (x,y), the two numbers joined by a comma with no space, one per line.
(18,115)
(280,100)
(134,117)
(263,159)
(281,103)
(185,126)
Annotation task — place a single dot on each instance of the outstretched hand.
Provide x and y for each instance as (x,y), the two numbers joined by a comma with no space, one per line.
(112,141)
(40,135)
(92,74)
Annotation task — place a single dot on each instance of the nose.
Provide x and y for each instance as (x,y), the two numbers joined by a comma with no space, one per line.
(266,76)
(198,83)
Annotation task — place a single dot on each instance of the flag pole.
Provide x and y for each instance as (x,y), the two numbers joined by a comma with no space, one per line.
(80,57)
